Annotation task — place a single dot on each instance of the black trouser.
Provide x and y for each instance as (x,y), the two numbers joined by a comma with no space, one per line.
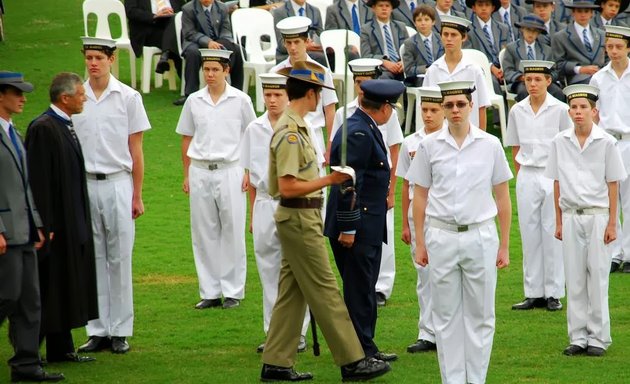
(193,64)
(359,267)
(58,344)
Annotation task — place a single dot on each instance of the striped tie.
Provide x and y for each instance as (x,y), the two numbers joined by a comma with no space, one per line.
(427,46)
(587,42)
(14,139)
(506,20)
(412,6)
(493,51)
(530,53)
(213,35)
(301,11)
(356,25)
(391,51)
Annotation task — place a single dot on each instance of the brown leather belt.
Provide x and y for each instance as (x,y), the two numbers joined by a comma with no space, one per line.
(302,202)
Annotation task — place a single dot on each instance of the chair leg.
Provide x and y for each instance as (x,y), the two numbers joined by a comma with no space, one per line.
(145,79)
(260,105)
(132,67)
(171,75)
(503,123)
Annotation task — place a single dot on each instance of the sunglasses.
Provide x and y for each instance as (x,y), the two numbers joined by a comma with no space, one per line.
(459,105)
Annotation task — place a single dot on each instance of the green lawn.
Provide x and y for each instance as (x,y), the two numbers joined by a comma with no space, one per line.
(173,343)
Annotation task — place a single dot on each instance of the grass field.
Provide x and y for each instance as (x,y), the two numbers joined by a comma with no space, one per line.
(173,343)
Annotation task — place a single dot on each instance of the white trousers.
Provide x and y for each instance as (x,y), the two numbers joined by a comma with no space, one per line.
(426,331)
(587,266)
(463,279)
(114,231)
(543,271)
(217,223)
(387,270)
(268,255)
(620,248)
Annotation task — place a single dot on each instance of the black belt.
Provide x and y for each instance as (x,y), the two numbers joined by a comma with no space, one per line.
(100,176)
(302,202)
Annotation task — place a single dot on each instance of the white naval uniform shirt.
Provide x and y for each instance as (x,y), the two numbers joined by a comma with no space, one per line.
(216,129)
(391,131)
(614,114)
(460,180)
(584,172)
(255,152)
(534,132)
(316,120)
(465,70)
(105,125)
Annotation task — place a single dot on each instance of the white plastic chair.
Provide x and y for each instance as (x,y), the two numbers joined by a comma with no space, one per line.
(252,23)
(178,37)
(411,31)
(150,56)
(496,100)
(511,97)
(102,9)
(335,39)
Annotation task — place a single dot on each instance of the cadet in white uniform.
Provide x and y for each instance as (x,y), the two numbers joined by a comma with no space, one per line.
(255,159)
(110,130)
(294,31)
(586,166)
(455,172)
(433,118)
(454,31)
(614,118)
(367,69)
(532,125)
(212,123)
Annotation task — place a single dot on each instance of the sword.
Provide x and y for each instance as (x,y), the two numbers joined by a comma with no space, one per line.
(314,334)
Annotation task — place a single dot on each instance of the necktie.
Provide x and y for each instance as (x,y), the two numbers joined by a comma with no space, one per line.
(506,20)
(530,53)
(587,42)
(427,46)
(356,25)
(493,52)
(301,11)
(73,133)
(213,35)
(412,5)
(391,51)
(14,139)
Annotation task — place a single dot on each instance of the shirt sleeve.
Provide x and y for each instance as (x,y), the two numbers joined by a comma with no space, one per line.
(420,172)
(394,131)
(329,96)
(136,115)
(245,146)
(615,169)
(288,150)
(501,171)
(483,98)
(248,113)
(511,137)
(404,160)
(552,161)
(185,125)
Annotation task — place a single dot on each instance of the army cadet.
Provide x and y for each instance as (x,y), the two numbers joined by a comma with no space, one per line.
(306,276)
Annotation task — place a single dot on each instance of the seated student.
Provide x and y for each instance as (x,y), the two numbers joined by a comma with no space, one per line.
(300,8)
(608,12)
(341,15)
(461,7)
(544,10)
(488,36)
(199,33)
(445,7)
(586,220)
(152,24)
(423,48)
(528,47)
(578,50)
(382,37)
(509,14)
(452,66)
(404,12)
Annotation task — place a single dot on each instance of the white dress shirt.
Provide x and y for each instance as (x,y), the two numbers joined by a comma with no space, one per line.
(614,114)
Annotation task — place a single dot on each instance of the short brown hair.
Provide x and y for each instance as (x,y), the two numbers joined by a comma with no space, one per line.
(424,10)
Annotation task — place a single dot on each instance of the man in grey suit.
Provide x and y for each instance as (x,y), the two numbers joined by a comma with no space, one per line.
(300,8)
(206,24)
(578,50)
(339,16)
(382,37)
(404,12)
(19,237)
(508,14)
(528,47)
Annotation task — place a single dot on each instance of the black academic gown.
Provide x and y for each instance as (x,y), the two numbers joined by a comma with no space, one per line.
(66,264)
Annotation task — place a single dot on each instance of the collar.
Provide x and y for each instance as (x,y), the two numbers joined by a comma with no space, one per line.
(5,125)
(604,21)
(59,112)
(503,11)
(550,101)
(608,68)
(229,92)
(580,28)
(350,3)
(463,64)
(533,45)
(596,134)
(295,117)
(443,13)
(381,24)
(444,134)
(113,85)
(208,8)
(423,37)
(296,7)
(481,22)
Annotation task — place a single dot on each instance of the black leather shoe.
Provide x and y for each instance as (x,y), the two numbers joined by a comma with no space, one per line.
(380,299)
(421,346)
(385,356)
(180,101)
(231,303)
(274,373)
(36,377)
(95,344)
(614,266)
(573,350)
(530,303)
(626,267)
(70,357)
(365,369)
(595,351)
(208,303)
(553,304)
(162,65)
(119,345)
